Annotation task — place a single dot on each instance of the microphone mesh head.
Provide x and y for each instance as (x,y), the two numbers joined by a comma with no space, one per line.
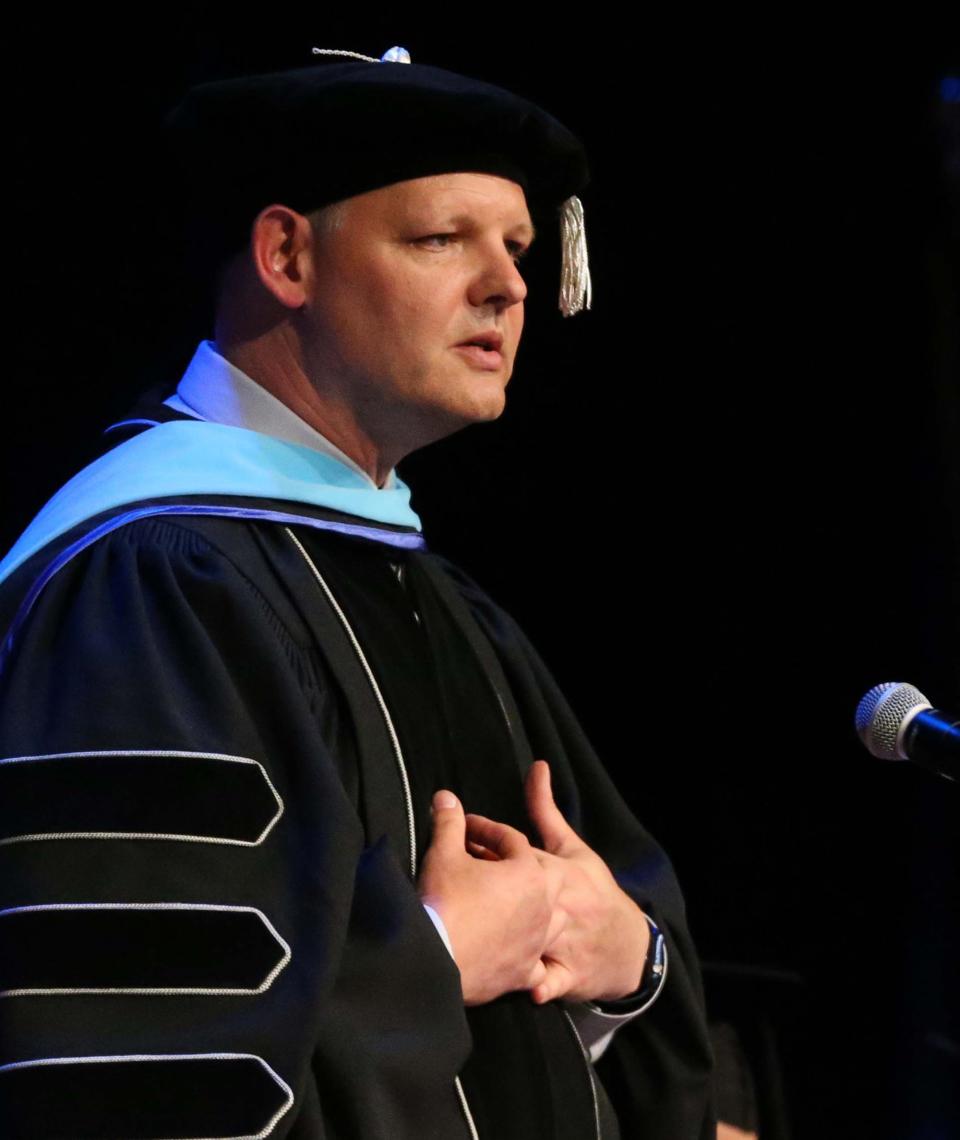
(882,711)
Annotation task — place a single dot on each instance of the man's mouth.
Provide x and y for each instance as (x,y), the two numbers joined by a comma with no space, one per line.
(483,350)
(490,341)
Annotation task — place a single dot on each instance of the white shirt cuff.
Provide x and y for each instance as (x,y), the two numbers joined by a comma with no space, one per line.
(441,929)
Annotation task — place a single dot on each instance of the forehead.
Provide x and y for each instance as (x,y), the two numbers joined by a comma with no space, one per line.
(486,198)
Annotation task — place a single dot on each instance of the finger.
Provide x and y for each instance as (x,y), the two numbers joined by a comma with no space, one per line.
(537,976)
(449,824)
(481,852)
(555,870)
(503,840)
(557,981)
(559,920)
(555,832)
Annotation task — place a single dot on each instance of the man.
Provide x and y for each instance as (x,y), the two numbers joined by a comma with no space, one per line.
(279,854)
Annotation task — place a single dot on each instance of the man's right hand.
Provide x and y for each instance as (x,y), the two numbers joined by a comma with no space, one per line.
(500,911)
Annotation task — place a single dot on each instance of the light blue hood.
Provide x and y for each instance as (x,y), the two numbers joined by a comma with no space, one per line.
(194,457)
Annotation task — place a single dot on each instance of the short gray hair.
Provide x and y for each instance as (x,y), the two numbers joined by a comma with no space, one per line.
(327,219)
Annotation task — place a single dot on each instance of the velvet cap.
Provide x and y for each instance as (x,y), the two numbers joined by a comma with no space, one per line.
(314,136)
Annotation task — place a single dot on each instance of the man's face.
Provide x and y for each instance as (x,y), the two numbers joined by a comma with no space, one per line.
(416,308)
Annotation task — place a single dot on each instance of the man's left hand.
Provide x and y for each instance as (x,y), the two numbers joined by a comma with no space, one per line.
(601,949)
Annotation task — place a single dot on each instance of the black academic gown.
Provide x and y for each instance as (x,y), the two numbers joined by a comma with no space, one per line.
(211,820)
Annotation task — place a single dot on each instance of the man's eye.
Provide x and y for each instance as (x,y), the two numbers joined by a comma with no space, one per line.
(435,241)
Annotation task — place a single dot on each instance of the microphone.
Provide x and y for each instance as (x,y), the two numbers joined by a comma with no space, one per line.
(895,721)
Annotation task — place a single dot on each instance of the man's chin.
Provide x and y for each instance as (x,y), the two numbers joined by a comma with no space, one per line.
(490,407)
(454,419)
(476,399)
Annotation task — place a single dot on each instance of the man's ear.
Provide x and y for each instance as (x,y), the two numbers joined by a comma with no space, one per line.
(281,246)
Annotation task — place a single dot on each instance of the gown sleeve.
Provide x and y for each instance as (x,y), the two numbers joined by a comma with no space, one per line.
(195,937)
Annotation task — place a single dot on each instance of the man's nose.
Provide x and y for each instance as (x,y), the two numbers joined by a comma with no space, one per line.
(498,281)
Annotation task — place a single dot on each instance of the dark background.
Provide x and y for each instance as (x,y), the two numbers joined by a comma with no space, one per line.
(724,503)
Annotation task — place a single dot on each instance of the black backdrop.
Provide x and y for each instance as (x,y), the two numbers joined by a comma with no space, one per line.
(724,503)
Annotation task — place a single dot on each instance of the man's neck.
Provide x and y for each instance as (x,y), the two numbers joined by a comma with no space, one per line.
(274,362)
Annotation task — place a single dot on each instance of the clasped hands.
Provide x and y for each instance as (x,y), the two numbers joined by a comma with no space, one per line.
(552,921)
